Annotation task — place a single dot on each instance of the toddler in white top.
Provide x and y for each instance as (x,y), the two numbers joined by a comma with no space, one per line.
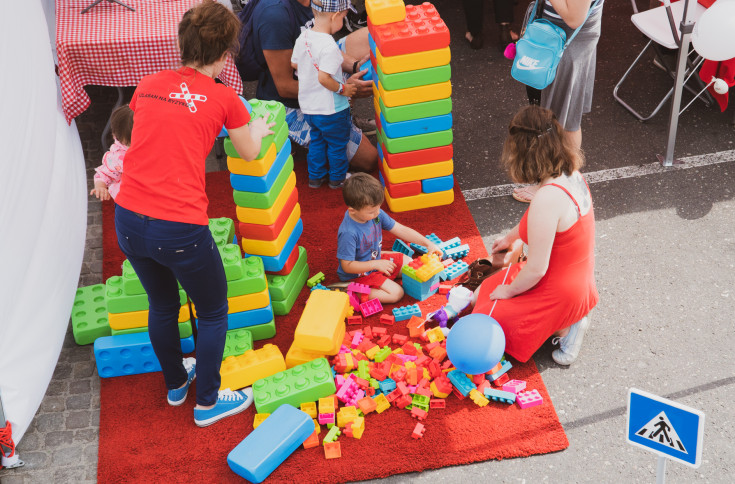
(108,175)
(323,94)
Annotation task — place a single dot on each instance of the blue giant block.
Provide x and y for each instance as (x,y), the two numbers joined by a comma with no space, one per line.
(129,354)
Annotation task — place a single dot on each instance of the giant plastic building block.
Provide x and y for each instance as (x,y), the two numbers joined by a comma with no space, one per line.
(285,181)
(529,399)
(414,142)
(139,319)
(89,314)
(409,62)
(280,286)
(297,356)
(185,330)
(241,371)
(273,248)
(277,139)
(129,354)
(421,30)
(252,280)
(408,112)
(322,324)
(413,95)
(260,166)
(307,382)
(385,11)
(263,331)
(231,260)
(261,184)
(399,190)
(246,302)
(438,184)
(247,105)
(404,313)
(421,77)
(454,271)
(418,172)
(119,302)
(276,263)
(424,200)
(131,283)
(416,126)
(245,319)
(266,447)
(274,112)
(222,229)
(415,158)
(272,231)
(237,342)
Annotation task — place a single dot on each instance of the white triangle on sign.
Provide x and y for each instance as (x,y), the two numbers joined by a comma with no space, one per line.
(660,430)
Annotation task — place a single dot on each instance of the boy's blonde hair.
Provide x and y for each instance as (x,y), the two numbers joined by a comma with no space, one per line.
(362,190)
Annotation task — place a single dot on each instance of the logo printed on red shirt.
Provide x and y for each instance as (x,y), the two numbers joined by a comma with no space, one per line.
(188,97)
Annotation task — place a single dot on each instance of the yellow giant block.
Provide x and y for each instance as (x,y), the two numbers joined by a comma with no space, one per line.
(272,248)
(242,371)
(267,216)
(322,324)
(258,167)
(418,172)
(415,202)
(385,11)
(413,95)
(297,356)
(246,302)
(414,61)
(139,319)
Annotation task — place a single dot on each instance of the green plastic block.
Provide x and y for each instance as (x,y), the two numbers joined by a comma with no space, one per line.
(362,370)
(374,383)
(275,112)
(303,383)
(416,142)
(382,354)
(252,280)
(223,230)
(419,77)
(131,283)
(89,314)
(280,287)
(420,400)
(332,434)
(237,342)
(267,199)
(263,331)
(416,111)
(283,306)
(119,302)
(409,271)
(232,260)
(185,330)
(315,279)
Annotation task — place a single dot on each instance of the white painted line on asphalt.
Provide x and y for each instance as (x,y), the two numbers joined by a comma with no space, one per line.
(613,174)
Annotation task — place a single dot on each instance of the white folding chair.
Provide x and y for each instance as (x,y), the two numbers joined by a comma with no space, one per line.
(661,26)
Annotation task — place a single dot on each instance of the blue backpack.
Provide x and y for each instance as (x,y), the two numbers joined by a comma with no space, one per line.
(247,61)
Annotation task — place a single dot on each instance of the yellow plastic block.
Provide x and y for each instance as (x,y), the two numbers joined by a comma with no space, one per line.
(414,61)
(326,405)
(246,302)
(317,427)
(432,266)
(139,319)
(322,324)
(410,364)
(376,100)
(272,248)
(242,371)
(415,202)
(358,427)
(298,356)
(436,391)
(346,415)
(478,398)
(418,172)
(435,334)
(267,216)
(372,351)
(259,419)
(309,408)
(413,95)
(382,403)
(385,11)
(258,167)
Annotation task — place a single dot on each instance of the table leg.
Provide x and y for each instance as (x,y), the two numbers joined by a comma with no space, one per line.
(105,144)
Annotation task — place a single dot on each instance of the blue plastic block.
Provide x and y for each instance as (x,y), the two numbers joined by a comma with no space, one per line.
(276,263)
(320,287)
(400,246)
(129,354)
(368,76)
(372,45)
(387,385)
(420,290)
(453,271)
(419,249)
(223,133)
(453,242)
(440,184)
(261,184)
(461,382)
(405,312)
(416,126)
(244,319)
(457,253)
(500,396)
(270,443)
(502,371)
(433,238)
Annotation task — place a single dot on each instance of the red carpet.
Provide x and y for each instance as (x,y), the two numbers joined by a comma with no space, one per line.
(143,439)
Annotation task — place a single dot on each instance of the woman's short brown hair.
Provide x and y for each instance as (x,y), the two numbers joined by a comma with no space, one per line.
(362,190)
(121,124)
(206,32)
(536,148)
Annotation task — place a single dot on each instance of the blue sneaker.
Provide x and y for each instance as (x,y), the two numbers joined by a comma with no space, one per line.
(228,403)
(178,396)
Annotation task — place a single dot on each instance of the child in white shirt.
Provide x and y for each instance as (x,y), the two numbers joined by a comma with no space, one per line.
(323,94)
(107,176)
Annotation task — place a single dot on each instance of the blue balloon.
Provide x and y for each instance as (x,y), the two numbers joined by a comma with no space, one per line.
(475,344)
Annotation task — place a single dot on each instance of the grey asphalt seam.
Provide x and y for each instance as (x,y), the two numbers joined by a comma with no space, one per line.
(689,162)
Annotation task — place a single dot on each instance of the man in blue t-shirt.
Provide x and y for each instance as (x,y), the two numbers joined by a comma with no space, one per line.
(275,31)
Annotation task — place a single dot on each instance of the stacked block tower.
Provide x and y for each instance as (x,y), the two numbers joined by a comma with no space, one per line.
(268,211)
(413,107)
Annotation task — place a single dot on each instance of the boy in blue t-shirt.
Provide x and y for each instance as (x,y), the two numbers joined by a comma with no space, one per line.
(360,237)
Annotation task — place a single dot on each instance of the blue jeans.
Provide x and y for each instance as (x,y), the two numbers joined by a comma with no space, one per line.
(329,136)
(162,252)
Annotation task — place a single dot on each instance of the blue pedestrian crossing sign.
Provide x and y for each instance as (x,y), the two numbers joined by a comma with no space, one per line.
(664,427)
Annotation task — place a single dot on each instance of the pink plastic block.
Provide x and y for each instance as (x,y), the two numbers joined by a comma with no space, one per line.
(356,340)
(354,302)
(357,287)
(529,399)
(325,418)
(405,358)
(348,391)
(418,431)
(514,386)
(371,307)
(418,413)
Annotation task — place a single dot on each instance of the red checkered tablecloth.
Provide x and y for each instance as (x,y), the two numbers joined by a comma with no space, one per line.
(113,46)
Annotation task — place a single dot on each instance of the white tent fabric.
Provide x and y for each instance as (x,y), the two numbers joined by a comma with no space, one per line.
(43,212)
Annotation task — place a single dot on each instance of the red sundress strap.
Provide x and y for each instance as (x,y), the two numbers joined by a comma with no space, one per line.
(579,212)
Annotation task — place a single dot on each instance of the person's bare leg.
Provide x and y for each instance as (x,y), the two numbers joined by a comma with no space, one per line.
(365,158)
(356,44)
(575,137)
(390,292)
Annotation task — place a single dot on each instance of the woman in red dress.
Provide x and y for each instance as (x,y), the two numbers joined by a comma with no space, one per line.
(551,293)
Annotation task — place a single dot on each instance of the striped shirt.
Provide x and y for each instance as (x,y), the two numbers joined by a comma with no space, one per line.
(549,11)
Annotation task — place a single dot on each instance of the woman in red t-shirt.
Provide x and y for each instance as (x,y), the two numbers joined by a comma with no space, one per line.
(161,215)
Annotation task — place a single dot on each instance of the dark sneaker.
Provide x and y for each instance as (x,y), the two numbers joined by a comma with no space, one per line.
(316,183)
(336,184)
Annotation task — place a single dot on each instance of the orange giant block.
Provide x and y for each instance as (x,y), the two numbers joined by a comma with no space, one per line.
(322,324)
(242,371)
